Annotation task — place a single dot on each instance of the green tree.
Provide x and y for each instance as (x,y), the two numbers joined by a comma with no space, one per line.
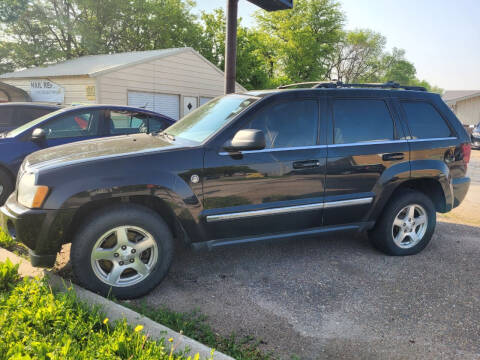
(356,56)
(252,70)
(303,39)
(44,31)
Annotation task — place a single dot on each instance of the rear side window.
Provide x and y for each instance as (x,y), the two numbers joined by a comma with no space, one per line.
(424,121)
(360,120)
(6,116)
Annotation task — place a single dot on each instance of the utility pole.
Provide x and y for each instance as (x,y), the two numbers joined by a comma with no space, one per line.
(231,36)
(231,46)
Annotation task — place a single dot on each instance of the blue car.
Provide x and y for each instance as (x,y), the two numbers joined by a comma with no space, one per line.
(68,125)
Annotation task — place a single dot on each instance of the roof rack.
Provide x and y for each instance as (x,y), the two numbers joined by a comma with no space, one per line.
(339,84)
(314,83)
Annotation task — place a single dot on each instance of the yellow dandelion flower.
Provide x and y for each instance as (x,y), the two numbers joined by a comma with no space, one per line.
(105,321)
(139,328)
(170,340)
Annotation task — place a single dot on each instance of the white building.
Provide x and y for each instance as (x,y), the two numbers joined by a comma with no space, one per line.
(172,82)
(465,104)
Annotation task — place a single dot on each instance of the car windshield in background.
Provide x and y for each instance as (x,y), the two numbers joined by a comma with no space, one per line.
(32,123)
(202,123)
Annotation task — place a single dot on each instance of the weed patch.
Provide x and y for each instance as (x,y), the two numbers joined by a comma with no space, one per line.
(195,326)
(35,323)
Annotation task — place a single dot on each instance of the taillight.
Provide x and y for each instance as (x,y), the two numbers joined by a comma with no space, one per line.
(466,152)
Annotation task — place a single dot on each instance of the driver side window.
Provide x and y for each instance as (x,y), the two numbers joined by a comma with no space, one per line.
(288,124)
(77,124)
(126,122)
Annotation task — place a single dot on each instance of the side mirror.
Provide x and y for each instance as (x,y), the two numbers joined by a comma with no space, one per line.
(247,139)
(38,135)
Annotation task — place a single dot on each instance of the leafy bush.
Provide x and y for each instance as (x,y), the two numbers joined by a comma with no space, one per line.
(36,323)
(5,240)
(8,275)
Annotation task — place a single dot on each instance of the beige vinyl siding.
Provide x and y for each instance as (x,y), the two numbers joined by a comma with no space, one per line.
(75,87)
(468,111)
(184,74)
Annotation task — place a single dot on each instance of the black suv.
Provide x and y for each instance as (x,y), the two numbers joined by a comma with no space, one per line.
(262,165)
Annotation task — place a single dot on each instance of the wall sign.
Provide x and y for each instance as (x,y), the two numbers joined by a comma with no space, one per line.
(47,91)
(91,95)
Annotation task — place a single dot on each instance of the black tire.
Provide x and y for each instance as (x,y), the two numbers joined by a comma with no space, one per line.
(112,217)
(382,236)
(6,186)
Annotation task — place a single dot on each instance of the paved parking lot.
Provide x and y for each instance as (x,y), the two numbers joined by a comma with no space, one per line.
(336,297)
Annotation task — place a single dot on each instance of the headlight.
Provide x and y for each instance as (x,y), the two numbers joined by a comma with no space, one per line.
(29,194)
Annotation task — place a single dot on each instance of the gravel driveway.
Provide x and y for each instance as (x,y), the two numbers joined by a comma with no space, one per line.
(336,297)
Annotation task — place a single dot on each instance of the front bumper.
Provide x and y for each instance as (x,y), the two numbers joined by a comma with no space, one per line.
(460,188)
(42,231)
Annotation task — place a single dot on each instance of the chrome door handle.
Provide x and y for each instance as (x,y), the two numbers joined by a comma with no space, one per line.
(393,156)
(308,164)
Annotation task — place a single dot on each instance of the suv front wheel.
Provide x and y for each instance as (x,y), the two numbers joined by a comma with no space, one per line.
(407,224)
(125,251)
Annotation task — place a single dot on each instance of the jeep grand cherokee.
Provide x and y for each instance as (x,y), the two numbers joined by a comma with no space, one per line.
(261,165)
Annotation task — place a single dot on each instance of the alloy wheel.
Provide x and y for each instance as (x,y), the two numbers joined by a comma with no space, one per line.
(409,226)
(124,256)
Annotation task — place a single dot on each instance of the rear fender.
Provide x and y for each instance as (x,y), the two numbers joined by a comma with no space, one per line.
(437,170)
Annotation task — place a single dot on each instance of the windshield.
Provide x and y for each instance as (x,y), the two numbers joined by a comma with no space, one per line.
(202,123)
(32,123)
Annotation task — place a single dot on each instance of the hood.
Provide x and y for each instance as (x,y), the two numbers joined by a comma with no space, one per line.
(84,151)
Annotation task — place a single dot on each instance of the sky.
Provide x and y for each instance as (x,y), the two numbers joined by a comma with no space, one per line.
(441,37)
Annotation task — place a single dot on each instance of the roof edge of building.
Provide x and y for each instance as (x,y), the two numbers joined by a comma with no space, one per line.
(173,51)
(453,101)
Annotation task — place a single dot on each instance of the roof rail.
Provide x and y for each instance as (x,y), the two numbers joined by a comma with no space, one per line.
(339,84)
(314,83)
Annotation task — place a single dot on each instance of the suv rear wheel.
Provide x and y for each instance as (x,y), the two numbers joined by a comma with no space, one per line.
(124,250)
(407,224)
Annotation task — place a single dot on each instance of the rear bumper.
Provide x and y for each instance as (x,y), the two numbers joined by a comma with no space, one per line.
(42,231)
(460,188)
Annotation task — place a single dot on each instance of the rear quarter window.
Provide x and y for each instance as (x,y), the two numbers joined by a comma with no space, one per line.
(424,121)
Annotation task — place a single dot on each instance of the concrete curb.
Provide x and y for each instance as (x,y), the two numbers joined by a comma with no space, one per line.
(115,311)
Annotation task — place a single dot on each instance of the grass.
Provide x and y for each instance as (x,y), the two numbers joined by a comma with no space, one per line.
(192,324)
(6,241)
(36,323)
(195,326)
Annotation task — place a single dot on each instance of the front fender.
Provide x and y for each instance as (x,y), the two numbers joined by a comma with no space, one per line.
(75,186)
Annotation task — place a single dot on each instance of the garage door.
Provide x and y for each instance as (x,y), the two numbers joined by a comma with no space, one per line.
(204,100)
(165,104)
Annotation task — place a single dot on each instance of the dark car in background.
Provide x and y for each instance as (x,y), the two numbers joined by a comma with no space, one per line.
(68,125)
(263,165)
(15,114)
(476,136)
